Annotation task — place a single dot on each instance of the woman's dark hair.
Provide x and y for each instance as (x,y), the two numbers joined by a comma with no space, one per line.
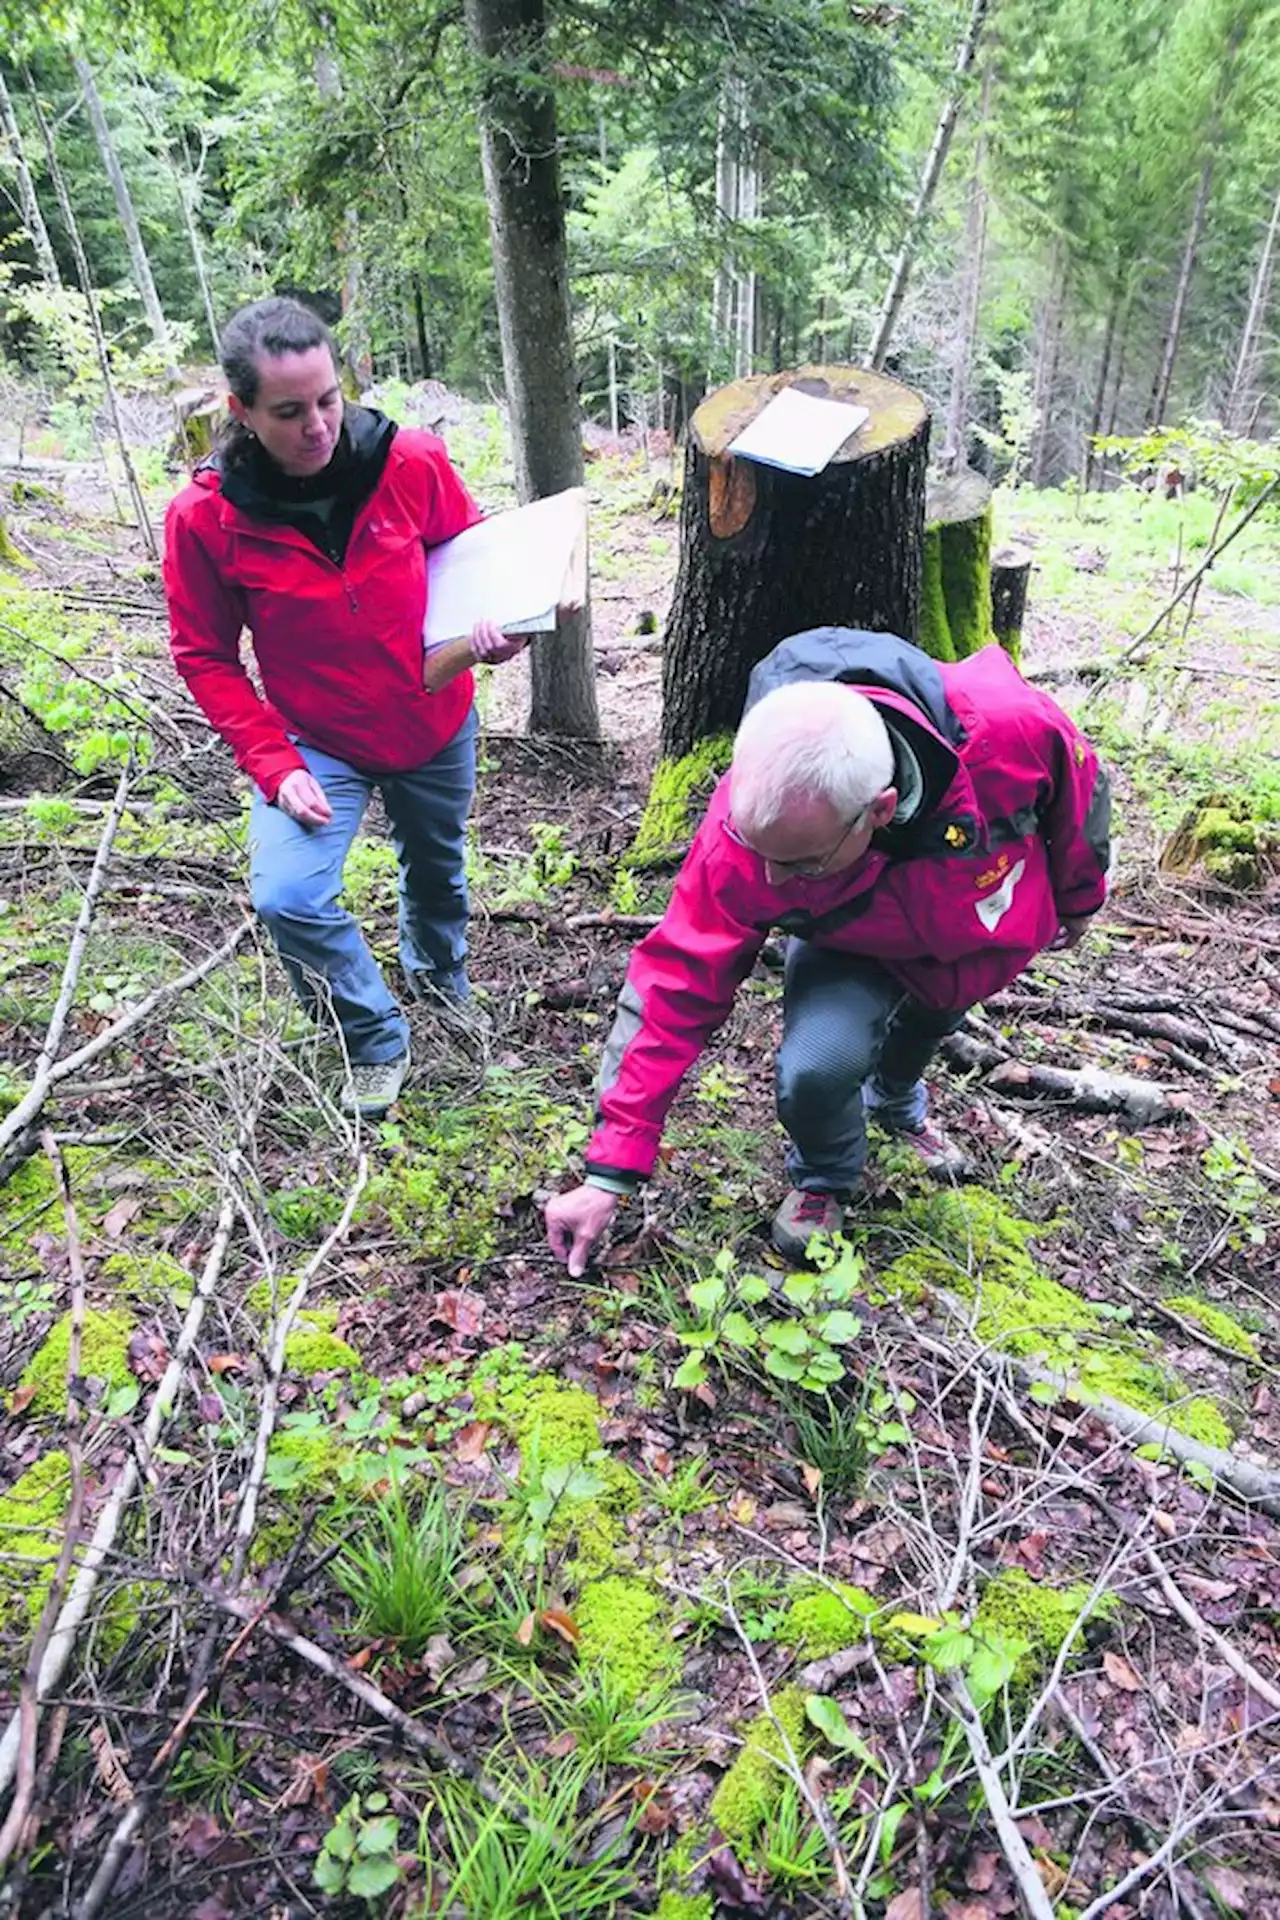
(263,330)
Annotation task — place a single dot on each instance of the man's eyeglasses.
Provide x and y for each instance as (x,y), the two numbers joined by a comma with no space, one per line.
(798,869)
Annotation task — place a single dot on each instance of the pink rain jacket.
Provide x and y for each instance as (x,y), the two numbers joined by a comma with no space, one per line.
(1007,835)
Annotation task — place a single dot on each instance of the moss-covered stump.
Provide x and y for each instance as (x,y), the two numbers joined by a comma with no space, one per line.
(1010,579)
(764,553)
(9,553)
(199,414)
(955,600)
(1223,842)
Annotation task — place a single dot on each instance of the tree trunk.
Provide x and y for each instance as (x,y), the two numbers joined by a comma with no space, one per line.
(955,601)
(764,553)
(72,226)
(1104,369)
(928,186)
(1173,334)
(975,247)
(186,187)
(143,278)
(733,316)
(1010,578)
(519,149)
(420,327)
(32,218)
(1237,408)
(1047,364)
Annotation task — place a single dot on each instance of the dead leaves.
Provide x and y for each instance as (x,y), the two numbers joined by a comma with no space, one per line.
(1121,1673)
(906,1906)
(109,1762)
(460,1310)
(470,1442)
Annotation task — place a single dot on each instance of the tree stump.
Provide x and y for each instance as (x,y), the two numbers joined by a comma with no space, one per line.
(1010,578)
(198,414)
(764,553)
(9,553)
(955,605)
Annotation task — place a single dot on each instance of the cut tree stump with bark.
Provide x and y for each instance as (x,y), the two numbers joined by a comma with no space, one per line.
(955,603)
(1010,578)
(764,553)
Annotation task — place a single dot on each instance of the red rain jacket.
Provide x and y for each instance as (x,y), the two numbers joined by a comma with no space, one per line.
(1009,837)
(339,649)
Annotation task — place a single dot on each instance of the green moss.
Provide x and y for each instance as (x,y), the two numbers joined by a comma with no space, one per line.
(1223,1326)
(966,582)
(1016,1607)
(562,1423)
(979,1251)
(751,1789)
(314,1347)
(148,1276)
(820,1621)
(31,1516)
(623,1624)
(1224,836)
(104,1355)
(935,629)
(686,1906)
(305,1459)
(677,794)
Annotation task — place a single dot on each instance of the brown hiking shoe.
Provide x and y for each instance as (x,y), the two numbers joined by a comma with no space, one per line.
(943,1160)
(802,1214)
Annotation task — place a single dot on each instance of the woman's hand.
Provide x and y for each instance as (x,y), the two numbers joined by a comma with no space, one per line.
(490,646)
(301,796)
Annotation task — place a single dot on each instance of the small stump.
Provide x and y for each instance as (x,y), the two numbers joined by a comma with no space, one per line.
(1221,840)
(955,610)
(1010,578)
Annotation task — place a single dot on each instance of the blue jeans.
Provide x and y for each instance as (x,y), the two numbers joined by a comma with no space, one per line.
(852,1041)
(295,877)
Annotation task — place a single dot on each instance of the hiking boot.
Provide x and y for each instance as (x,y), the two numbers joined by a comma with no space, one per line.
(374,1086)
(803,1213)
(942,1159)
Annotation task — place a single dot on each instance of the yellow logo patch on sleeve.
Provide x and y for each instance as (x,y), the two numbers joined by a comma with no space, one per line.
(1080,751)
(955,835)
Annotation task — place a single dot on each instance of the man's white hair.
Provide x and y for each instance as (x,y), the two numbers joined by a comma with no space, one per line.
(816,738)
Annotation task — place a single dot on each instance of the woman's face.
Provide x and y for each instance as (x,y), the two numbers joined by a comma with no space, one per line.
(297,413)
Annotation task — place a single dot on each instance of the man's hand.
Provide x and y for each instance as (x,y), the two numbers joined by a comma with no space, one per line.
(1072,931)
(302,797)
(575,1222)
(491,646)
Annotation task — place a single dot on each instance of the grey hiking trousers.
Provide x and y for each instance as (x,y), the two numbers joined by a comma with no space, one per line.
(852,1041)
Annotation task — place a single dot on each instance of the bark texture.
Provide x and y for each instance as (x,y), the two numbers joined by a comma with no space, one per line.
(1238,408)
(764,554)
(1010,578)
(531,275)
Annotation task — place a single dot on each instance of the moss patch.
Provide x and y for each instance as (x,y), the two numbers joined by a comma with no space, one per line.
(104,1355)
(622,1623)
(678,792)
(686,1906)
(1217,1322)
(979,1251)
(305,1459)
(314,1347)
(935,629)
(148,1276)
(31,1515)
(1015,1607)
(1223,837)
(820,1621)
(751,1789)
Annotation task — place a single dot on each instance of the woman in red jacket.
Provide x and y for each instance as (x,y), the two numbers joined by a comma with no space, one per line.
(310,528)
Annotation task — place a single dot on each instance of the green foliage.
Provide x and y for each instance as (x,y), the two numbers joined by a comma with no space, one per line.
(210,1767)
(401,1563)
(1202,449)
(800,1347)
(677,793)
(607,1718)
(23,1300)
(821,1619)
(685,1906)
(358,1854)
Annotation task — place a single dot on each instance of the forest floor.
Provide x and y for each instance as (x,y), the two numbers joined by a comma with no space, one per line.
(429,1581)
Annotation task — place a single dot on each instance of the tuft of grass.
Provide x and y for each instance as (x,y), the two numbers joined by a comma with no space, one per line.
(210,1769)
(540,1851)
(400,1570)
(833,1436)
(609,1721)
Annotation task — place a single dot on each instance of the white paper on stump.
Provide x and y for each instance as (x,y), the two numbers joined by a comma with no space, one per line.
(514,569)
(798,431)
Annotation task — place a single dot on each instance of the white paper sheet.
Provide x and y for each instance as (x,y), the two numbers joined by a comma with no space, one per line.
(798,431)
(510,569)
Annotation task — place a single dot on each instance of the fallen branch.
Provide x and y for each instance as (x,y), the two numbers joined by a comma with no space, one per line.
(163,1402)
(21,1116)
(363,1690)
(1191,1617)
(1013,1846)
(1087,1089)
(12,1833)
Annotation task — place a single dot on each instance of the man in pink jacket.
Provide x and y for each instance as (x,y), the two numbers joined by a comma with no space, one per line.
(920,832)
